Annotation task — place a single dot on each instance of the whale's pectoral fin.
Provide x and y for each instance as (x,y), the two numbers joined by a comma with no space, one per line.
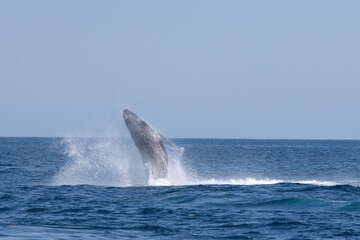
(164,140)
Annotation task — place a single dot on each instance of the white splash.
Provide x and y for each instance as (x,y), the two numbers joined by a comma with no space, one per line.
(176,173)
(106,162)
(237,181)
(318,183)
(114,162)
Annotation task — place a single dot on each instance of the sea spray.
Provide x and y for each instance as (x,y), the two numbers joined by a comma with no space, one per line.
(117,162)
(177,173)
(100,161)
(112,162)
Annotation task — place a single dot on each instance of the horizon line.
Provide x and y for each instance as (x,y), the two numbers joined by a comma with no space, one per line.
(218,138)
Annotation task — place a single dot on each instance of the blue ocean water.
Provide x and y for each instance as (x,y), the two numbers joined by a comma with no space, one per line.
(82,188)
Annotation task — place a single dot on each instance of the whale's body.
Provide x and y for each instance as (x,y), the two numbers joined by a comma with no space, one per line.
(150,144)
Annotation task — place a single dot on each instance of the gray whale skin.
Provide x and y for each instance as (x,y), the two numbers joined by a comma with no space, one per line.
(150,144)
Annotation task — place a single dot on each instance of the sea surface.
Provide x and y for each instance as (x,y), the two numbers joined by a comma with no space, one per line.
(97,188)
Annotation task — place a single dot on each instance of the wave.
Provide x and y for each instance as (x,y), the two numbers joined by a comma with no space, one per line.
(246,182)
(109,162)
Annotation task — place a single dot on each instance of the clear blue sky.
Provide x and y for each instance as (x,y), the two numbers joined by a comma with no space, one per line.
(225,69)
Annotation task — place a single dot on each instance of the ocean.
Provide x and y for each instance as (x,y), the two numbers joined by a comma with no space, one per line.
(97,188)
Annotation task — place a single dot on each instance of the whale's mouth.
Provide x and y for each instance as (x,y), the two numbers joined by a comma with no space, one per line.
(127,114)
(130,116)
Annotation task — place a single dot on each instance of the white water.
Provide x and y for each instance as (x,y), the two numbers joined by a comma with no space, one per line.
(111,162)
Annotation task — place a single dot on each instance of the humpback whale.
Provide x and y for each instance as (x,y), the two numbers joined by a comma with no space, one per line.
(150,144)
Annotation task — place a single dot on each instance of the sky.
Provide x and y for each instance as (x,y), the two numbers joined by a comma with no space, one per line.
(192,69)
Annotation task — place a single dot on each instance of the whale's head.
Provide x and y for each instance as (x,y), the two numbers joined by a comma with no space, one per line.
(130,117)
(132,120)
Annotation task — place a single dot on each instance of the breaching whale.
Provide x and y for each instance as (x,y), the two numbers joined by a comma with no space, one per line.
(150,144)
